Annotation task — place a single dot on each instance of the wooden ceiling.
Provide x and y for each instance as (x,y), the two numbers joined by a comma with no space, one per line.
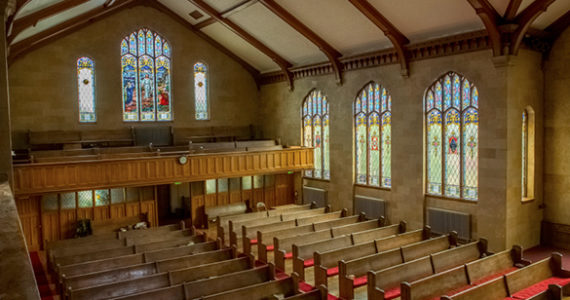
(287,39)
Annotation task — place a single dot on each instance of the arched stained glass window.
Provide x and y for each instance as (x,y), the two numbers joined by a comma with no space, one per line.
(373,142)
(86,90)
(145,66)
(315,113)
(201,91)
(452,124)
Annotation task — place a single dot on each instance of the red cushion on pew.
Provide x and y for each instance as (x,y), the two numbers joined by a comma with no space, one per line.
(539,287)
(289,255)
(494,276)
(360,281)
(269,248)
(392,293)
(305,287)
(332,271)
(253,242)
(309,262)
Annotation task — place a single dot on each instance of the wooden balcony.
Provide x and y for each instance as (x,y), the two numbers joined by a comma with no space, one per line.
(37,178)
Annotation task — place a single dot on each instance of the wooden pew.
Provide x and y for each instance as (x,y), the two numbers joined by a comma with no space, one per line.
(342,238)
(324,221)
(125,250)
(235,226)
(352,273)
(204,287)
(212,213)
(287,287)
(305,225)
(529,282)
(460,277)
(163,279)
(385,284)
(276,211)
(145,269)
(138,258)
(306,213)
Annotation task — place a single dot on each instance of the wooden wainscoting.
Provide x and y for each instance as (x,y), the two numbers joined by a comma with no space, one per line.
(39,178)
(47,218)
(555,235)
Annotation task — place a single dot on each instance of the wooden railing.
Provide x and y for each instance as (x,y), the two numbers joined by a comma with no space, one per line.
(107,173)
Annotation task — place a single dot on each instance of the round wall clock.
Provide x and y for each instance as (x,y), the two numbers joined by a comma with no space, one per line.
(183,160)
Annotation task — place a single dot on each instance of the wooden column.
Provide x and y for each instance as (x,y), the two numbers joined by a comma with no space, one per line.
(5,132)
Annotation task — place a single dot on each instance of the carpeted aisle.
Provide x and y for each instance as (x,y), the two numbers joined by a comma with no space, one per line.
(41,277)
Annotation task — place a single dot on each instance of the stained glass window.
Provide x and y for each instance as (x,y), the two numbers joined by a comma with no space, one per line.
(146,85)
(315,115)
(86,89)
(452,124)
(201,91)
(524,150)
(101,197)
(373,131)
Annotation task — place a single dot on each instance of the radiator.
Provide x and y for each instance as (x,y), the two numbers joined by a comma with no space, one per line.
(443,221)
(311,194)
(372,207)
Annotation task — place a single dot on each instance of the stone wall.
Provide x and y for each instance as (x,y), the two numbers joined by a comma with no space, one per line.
(280,117)
(557,132)
(43,85)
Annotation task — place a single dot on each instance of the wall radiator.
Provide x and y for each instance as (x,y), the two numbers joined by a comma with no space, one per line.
(443,221)
(311,194)
(372,207)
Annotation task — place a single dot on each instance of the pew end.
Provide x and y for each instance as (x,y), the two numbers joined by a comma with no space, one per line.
(402,226)
(361,216)
(382,221)
(426,233)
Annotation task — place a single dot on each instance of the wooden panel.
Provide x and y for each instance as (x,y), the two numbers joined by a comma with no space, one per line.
(67,221)
(270,196)
(197,210)
(257,196)
(284,189)
(101,213)
(133,209)
(210,200)
(223,198)
(105,173)
(50,226)
(118,211)
(29,213)
(149,207)
(85,213)
(235,196)
(247,195)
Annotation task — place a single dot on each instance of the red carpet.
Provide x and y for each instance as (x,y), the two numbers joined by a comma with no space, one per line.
(41,277)
(537,253)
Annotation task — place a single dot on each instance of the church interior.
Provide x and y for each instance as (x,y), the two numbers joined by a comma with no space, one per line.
(245,149)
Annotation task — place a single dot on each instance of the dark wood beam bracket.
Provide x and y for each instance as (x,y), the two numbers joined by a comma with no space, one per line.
(398,39)
(558,26)
(490,19)
(10,20)
(32,19)
(524,20)
(332,54)
(228,12)
(280,61)
(512,9)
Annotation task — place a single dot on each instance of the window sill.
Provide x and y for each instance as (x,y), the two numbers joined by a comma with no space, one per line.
(527,200)
(451,199)
(373,187)
(316,179)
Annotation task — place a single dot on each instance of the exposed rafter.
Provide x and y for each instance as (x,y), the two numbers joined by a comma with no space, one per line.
(109,3)
(228,12)
(280,61)
(490,19)
(512,9)
(396,37)
(558,26)
(10,21)
(160,7)
(32,19)
(332,54)
(524,20)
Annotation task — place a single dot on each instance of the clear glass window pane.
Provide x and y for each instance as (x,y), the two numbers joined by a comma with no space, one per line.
(246,183)
(117,196)
(49,202)
(85,199)
(222,185)
(211,186)
(68,200)
(258,181)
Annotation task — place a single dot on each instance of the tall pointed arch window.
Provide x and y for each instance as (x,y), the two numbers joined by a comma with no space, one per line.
(315,113)
(146,67)
(373,137)
(201,91)
(452,137)
(86,90)
(527,154)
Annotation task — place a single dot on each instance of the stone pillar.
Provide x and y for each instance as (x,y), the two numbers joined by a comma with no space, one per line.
(5,132)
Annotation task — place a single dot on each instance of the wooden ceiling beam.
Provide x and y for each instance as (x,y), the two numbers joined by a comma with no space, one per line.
(524,20)
(109,3)
(332,54)
(280,61)
(32,19)
(512,9)
(228,12)
(10,20)
(394,35)
(66,27)
(490,19)
(557,27)
(162,8)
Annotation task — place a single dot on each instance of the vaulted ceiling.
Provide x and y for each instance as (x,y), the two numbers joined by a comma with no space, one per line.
(278,35)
